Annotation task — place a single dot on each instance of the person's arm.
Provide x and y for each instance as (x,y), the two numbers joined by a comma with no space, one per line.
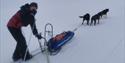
(34,29)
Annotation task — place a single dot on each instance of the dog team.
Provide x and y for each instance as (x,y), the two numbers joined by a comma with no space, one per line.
(95,18)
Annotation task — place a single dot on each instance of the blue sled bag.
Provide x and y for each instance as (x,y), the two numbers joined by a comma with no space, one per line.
(59,40)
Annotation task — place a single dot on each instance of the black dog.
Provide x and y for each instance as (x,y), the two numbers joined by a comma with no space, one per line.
(85,17)
(98,16)
(104,12)
(94,19)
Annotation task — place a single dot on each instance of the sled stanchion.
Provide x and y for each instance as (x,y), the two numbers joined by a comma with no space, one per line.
(48,31)
(41,47)
(46,50)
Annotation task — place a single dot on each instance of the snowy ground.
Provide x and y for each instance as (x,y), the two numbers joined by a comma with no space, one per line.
(104,43)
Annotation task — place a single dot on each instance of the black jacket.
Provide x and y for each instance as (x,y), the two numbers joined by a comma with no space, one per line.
(28,17)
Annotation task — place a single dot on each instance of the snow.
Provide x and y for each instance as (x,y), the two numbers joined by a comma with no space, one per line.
(103,43)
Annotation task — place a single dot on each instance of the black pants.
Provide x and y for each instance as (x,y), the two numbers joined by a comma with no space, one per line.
(21,43)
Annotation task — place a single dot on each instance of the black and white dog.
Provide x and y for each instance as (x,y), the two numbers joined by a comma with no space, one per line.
(85,17)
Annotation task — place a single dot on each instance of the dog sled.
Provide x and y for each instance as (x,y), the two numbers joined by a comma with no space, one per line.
(55,43)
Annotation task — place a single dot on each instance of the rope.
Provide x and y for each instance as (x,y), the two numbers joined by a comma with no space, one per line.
(77,28)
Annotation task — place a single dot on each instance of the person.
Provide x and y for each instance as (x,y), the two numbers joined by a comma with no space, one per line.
(24,17)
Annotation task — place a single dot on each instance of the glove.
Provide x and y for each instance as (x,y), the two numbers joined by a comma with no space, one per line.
(39,36)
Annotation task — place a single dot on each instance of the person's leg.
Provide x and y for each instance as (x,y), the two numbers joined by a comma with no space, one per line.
(21,44)
(16,54)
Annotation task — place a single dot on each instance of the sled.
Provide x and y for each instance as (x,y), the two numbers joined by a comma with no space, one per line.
(54,46)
